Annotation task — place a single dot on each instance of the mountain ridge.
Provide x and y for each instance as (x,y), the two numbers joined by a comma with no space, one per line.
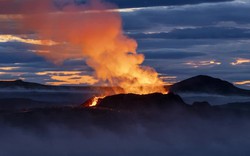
(201,84)
(208,85)
(20,84)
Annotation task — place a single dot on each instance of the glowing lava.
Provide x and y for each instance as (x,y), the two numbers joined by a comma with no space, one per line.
(94,101)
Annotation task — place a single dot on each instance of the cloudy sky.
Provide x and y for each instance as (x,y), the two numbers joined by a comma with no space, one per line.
(180,39)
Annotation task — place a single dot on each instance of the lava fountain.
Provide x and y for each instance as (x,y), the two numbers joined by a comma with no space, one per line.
(93,102)
(96,28)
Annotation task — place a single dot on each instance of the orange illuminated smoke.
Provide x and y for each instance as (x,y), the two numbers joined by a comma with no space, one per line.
(96,29)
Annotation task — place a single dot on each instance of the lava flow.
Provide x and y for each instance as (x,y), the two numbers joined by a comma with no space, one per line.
(94,101)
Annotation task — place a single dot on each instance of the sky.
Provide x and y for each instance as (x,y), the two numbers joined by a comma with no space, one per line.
(179,39)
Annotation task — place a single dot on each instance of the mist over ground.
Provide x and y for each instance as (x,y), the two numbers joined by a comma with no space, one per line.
(49,98)
(177,131)
(160,135)
(53,122)
(213,99)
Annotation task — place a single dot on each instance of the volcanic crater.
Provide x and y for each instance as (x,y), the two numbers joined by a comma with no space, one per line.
(132,102)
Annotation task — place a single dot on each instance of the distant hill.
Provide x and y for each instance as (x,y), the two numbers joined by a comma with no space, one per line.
(20,84)
(136,102)
(199,85)
(24,103)
(208,85)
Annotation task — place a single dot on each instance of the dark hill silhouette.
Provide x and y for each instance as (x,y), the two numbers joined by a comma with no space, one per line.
(133,102)
(119,112)
(22,84)
(12,104)
(197,84)
(209,85)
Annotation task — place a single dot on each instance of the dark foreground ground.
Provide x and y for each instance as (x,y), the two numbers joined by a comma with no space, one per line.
(127,125)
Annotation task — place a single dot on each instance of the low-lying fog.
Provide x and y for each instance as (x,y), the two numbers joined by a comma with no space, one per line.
(174,135)
(213,99)
(62,98)
(190,137)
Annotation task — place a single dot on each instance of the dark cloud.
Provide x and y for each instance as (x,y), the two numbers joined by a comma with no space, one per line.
(154,44)
(13,7)
(193,15)
(200,33)
(19,58)
(14,52)
(171,55)
(150,3)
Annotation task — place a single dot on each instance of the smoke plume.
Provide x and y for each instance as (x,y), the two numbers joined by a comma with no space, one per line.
(96,28)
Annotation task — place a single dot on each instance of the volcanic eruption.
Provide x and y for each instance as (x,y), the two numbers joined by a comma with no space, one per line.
(95,27)
(134,102)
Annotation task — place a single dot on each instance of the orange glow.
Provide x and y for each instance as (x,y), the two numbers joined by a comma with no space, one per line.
(243,82)
(105,47)
(68,78)
(73,80)
(8,68)
(95,101)
(8,38)
(58,73)
(240,61)
(8,17)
